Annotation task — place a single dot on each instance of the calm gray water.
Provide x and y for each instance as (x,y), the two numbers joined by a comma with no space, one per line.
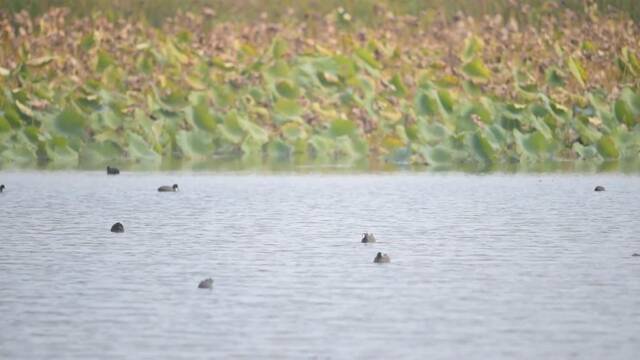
(482,267)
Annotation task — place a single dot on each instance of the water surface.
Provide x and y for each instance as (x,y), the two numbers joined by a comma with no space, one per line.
(482,266)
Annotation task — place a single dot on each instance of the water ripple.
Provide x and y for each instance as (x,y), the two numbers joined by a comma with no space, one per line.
(496,266)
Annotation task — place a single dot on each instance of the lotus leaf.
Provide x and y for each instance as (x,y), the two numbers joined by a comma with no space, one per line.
(607,148)
(476,69)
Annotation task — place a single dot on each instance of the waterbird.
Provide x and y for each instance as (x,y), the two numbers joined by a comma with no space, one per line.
(112,170)
(206,284)
(117,228)
(2,188)
(599,188)
(368,238)
(381,258)
(635,254)
(167,188)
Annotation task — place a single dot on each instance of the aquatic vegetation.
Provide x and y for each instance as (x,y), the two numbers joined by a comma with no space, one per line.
(409,90)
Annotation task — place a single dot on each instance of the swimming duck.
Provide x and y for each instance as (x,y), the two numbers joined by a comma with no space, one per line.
(368,238)
(2,188)
(381,258)
(167,188)
(112,170)
(599,188)
(117,228)
(206,284)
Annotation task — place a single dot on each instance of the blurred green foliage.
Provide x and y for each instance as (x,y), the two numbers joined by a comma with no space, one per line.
(526,87)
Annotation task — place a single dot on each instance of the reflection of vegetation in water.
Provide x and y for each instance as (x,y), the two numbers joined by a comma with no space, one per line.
(407,91)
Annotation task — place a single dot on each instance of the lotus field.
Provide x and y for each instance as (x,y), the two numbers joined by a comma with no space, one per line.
(86,91)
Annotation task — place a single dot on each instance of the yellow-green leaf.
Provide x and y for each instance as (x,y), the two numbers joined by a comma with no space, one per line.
(476,69)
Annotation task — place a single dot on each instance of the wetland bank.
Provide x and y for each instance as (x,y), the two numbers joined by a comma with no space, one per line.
(469,143)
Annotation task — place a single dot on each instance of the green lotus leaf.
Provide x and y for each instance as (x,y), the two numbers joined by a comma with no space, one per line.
(481,148)
(278,48)
(392,142)
(99,152)
(426,104)
(431,133)
(260,135)
(623,112)
(471,88)
(5,127)
(399,156)
(287,89)
(221,64)
(607,148)
(293,131)
(632,100)
(104,61)
(585,152)
(108,135)
(58,151)
(345,67)
(439,154)
(321,146)
(202,117)
(411,131)
(577,70)
(278,149)
(360,146)
(20,153)
(250,147)
(446,100)
(70,122)
(532,145)
(175,99)
(175,54)
(138,148)
(587,133)
(88,41)
(344,147)
(554,77)
(497,136)
(111,119)
(398,84)
(340,127)
(481,111)
(287,107)
(194,143)
(541,126)
(628,143)
(12,116)
(473,46)
(476,69)
(34,134)
(368,57)
(145,63)
(280,69)
(231,128)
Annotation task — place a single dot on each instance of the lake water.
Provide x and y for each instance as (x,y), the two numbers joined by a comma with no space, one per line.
(482,266)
